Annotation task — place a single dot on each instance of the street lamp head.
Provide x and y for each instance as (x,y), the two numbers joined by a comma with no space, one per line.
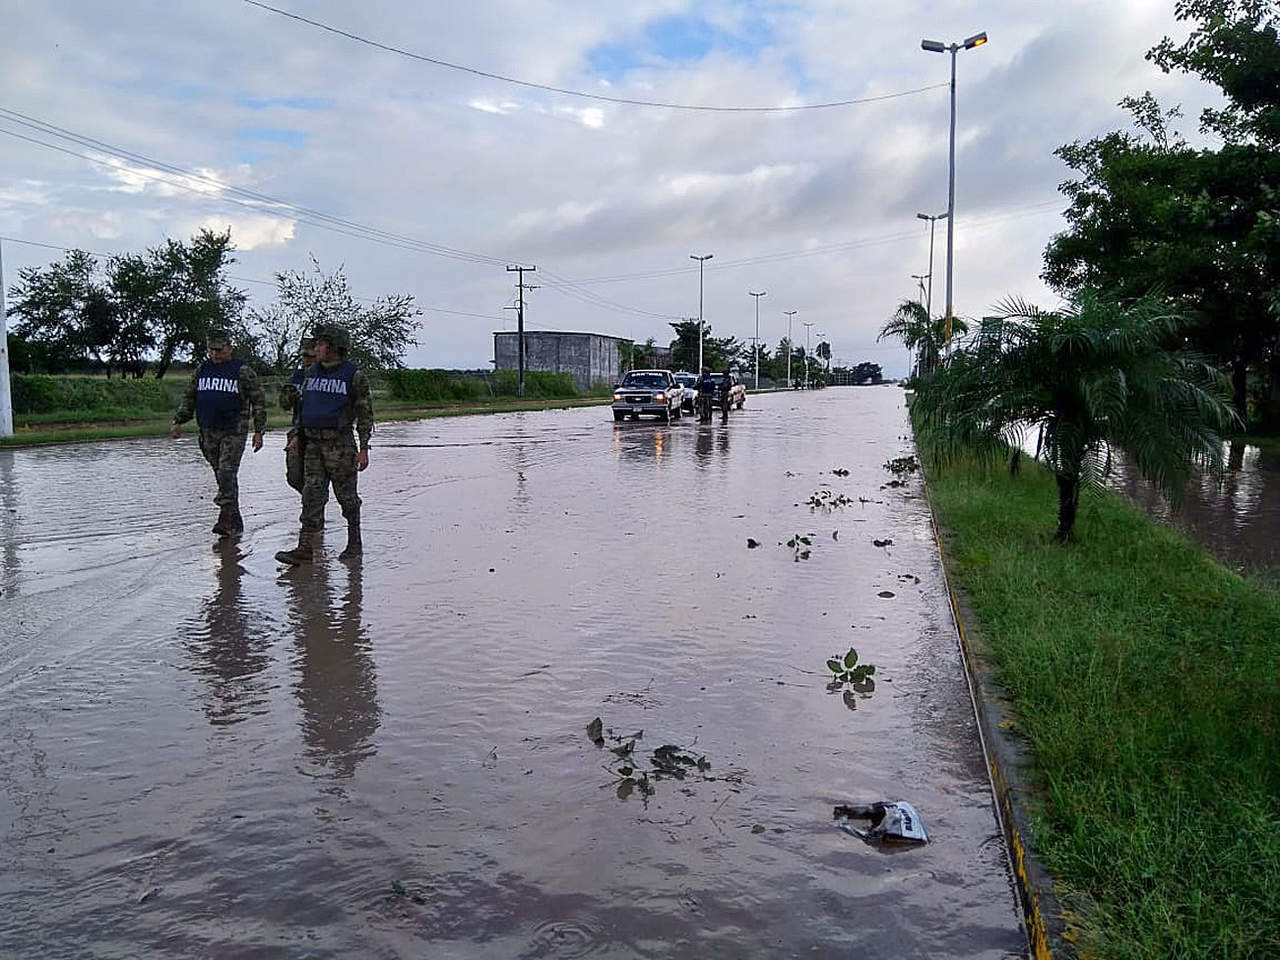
(977,40)
(933,46)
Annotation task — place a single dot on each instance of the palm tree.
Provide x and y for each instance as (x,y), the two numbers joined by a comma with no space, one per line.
(921,334)
(1093,377)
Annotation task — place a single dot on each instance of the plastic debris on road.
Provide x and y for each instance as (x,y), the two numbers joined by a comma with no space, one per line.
(897,822)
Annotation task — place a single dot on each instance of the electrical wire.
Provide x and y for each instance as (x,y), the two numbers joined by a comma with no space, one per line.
(579,93)
(258,280)
(247,198)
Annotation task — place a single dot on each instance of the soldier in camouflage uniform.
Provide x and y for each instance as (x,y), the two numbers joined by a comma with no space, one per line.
(222,395)
(291,402)
(335,396)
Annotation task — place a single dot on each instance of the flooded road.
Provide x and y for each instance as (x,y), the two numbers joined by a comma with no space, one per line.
(203,756)
(1238,521)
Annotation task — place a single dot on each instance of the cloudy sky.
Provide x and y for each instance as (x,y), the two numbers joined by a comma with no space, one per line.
(461,174)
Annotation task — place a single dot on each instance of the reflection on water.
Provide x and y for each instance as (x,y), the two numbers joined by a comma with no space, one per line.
(336,683)
(1238,520)
(229,650)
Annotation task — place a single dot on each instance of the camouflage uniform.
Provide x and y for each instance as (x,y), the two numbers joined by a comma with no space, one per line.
(224,448)
(337,394)
(330,457)
(291,402)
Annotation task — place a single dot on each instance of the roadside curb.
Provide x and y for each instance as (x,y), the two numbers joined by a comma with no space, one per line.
(1006,757)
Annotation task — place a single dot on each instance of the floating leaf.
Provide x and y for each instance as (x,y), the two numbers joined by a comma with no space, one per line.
(624,751)
(851,658)
(595,731)
(397,888)
(752,544)
(626,771)
(835,665)
(886,594)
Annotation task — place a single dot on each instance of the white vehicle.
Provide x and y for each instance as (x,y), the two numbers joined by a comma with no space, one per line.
(689,382)
(648,391)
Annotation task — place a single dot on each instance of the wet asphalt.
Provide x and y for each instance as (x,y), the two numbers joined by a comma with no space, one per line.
(203,755)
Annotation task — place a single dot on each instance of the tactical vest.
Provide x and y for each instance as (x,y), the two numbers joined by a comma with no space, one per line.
(325,396)
(218,402)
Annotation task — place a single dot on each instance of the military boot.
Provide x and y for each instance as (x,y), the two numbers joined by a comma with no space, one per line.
(354,547)
(223,526)
(300,554)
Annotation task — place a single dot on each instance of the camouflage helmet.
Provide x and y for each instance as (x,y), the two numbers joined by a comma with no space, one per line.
(334,336)
(217,339)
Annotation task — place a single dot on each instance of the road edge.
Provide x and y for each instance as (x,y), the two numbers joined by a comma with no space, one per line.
(1006,757)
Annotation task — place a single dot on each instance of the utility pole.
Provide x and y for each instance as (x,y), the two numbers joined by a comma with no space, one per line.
(6,398)
(920,278)
(789,314)
(757,336)
(521,288)
(807,361)
(701,260)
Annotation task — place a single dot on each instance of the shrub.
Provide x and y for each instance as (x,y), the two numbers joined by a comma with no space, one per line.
(41,394)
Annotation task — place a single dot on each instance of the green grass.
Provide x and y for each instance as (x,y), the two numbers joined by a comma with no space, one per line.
(112,424)
(1147,677)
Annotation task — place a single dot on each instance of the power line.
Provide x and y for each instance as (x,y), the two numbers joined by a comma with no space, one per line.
(258,280)
(579,93)
(256,201)
(190,181)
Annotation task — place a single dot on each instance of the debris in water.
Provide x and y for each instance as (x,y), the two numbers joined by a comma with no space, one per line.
(835,534)
(840,472)
(882,543)
(908,578)
(758,828)
(595,732)
(901,465)
(846,669)
(897,822)
(752,544)
(886,594)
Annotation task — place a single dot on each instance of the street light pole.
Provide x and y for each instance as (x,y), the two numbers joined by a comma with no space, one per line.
(757,343)
(6,399)
(937,46)
(920,278)
(789,315)
(933,222)
(807,325)
(701,260)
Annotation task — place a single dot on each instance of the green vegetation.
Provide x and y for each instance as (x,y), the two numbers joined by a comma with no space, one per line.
(1092,377)
(443,386)
(1147,678)
(923,335)
(58,396)
(1151,212)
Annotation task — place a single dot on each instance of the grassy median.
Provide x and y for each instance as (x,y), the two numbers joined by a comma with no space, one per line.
(1147,677)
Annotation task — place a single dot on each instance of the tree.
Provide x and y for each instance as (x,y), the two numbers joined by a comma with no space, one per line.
(380,332)
(866,372)
(1149,213)
(64,305)
(717,352)
(1093,377)
(922,335)
(189,295)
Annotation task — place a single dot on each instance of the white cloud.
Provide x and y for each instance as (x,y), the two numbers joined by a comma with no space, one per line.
(583,189)
(249,232)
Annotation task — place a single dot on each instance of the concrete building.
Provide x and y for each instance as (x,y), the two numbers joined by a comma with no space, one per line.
(591,357)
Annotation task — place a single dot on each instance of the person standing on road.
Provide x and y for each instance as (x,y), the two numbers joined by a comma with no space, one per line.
(223,393)
(335,396)
(706,388)
(291,402)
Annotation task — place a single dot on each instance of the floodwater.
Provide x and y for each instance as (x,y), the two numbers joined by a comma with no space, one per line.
(204,756)
(1237,520)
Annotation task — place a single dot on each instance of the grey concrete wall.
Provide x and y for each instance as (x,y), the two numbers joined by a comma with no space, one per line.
(589,357)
